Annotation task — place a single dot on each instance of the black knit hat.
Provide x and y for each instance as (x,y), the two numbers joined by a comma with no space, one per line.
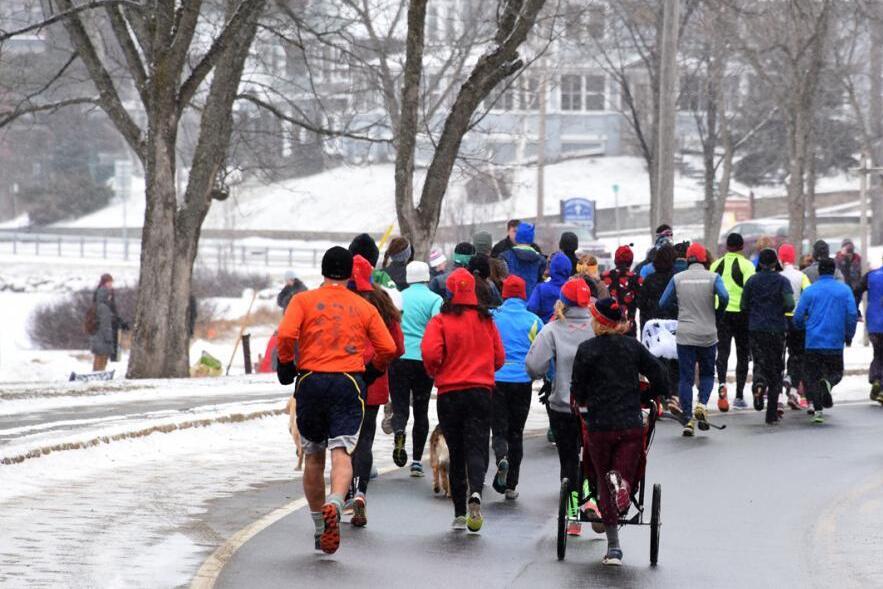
(768,258)
(826,266)
(482,264)
(363,245)
(607,312)
(337,264)
(569,242)
(735,242)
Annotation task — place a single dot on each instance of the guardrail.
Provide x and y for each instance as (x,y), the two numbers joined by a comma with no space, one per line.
(224,255)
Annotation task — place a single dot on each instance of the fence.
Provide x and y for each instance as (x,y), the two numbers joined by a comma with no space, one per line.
(221,254)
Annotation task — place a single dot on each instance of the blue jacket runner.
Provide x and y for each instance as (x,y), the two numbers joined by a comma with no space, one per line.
(518,327)
(827,310)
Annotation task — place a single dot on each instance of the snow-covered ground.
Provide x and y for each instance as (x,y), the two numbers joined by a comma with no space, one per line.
(360,198)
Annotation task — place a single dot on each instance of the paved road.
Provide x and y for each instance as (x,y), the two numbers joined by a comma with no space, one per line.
(751,506)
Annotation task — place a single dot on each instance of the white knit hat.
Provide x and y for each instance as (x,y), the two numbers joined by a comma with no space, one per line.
(436,258)
(417,272)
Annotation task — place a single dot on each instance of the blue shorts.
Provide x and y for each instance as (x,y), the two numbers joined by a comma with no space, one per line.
(330,409)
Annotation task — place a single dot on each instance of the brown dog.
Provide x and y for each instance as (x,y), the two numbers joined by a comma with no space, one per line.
(440,459)
(291,410)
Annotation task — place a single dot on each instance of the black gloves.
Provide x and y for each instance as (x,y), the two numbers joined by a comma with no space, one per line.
(372,373)
(286,373)
(545,391)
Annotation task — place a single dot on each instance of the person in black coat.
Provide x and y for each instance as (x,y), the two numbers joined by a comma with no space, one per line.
(605,380)
(654,285)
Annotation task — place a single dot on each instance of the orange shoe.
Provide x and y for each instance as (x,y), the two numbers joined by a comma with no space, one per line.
(723,404)
(329,541)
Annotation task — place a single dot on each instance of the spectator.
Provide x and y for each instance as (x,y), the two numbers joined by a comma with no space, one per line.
(104,329)
(293,285)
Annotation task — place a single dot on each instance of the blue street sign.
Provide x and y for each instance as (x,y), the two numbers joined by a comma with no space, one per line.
(579,211)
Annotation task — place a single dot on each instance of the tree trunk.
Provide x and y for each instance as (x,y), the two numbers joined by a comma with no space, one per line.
(811,224)
(796,170)
(875,64)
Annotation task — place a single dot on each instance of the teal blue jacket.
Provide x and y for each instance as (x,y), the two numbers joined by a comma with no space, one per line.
(419,306)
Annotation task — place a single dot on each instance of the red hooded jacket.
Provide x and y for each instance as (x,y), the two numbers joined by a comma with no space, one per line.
(462,351)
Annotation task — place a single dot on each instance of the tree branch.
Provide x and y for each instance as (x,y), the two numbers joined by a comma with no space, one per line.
(65,14)
(9,117)
(130,52)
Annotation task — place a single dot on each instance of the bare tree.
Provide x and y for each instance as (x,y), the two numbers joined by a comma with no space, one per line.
(180,58)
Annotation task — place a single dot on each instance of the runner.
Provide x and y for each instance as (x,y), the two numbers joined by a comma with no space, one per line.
(408,376)
(508,242)
(396,258)
(735,270)
(363,245)
(462,351)
(653,287)
(664,235)
(568,245)
(378,392)
(587,269)
(463,253)
(794,338)
(694,291)
(827,309)
(556,345)
(872,283)
(483,243)
(820,251)
(523,260)
(545,295)
(606,375)
(766,298)
(518,328)
(438,263)
(624,285)
(485,287)
(331,378)
(849,264)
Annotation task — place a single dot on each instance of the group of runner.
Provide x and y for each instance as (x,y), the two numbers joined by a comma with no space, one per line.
(504,316)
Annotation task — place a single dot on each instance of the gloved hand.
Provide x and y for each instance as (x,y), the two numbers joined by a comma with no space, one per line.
(545,391)
(372,373)
(286,373)
(849,342)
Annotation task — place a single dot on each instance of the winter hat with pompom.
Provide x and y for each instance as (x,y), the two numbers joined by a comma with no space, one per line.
(624,256)
(576,293)
(607,312)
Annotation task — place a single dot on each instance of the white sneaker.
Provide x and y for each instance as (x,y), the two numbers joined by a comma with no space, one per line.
(459,523)
(511,494)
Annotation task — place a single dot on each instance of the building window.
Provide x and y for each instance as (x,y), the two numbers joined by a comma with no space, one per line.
(571,93)
(594,86)
(529,93)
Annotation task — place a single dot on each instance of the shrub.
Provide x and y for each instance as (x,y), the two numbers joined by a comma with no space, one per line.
(222,283)
(59,325)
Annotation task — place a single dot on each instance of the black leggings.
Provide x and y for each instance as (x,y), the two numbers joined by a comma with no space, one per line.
(568,439)
(407,380)
(511,406)
(768,352)
(817,367)
(363,457)
(733,326)
(465,420)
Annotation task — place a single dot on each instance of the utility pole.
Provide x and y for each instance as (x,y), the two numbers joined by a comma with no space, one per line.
(541,150)
(667,115)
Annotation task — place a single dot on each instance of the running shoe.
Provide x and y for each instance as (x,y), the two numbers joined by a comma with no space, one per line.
(875,390)
(776,421)
(511,494)
(360,512)
(739,403)
(499,482)
(474,520)
(701,415)
(793,401)
(459,523)
(780,409)
(810,411)
(374,473)
(329,540)
(689,429)
(674,406)
(723,404)
(386,422)
(399,454)
(827,400)
(818,417)
(613,558)
(574,528)
(803,402)
(348,500)
(758,390)
(590,509)
(417,470)
(619,489)
(317,538)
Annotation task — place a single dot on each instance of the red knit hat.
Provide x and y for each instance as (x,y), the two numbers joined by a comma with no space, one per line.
(514,287)
(624,256)
(362,270)
(787,254)
(461,288)
(576,293)
(696,252)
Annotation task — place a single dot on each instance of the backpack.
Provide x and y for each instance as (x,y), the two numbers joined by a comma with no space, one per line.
(90,322)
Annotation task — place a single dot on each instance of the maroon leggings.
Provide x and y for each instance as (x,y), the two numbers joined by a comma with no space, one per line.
(615,450)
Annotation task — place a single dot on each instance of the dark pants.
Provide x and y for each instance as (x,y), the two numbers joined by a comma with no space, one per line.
(733,326)
(768,353)
(511,405)
(465,420)
(407,380)
(674,374)
(363,456)
(688,357)
(616,450)
(795,340)
(818,367)
(876,372)
(569,439)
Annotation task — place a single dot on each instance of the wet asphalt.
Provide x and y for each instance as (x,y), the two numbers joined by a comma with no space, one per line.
(797,505)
